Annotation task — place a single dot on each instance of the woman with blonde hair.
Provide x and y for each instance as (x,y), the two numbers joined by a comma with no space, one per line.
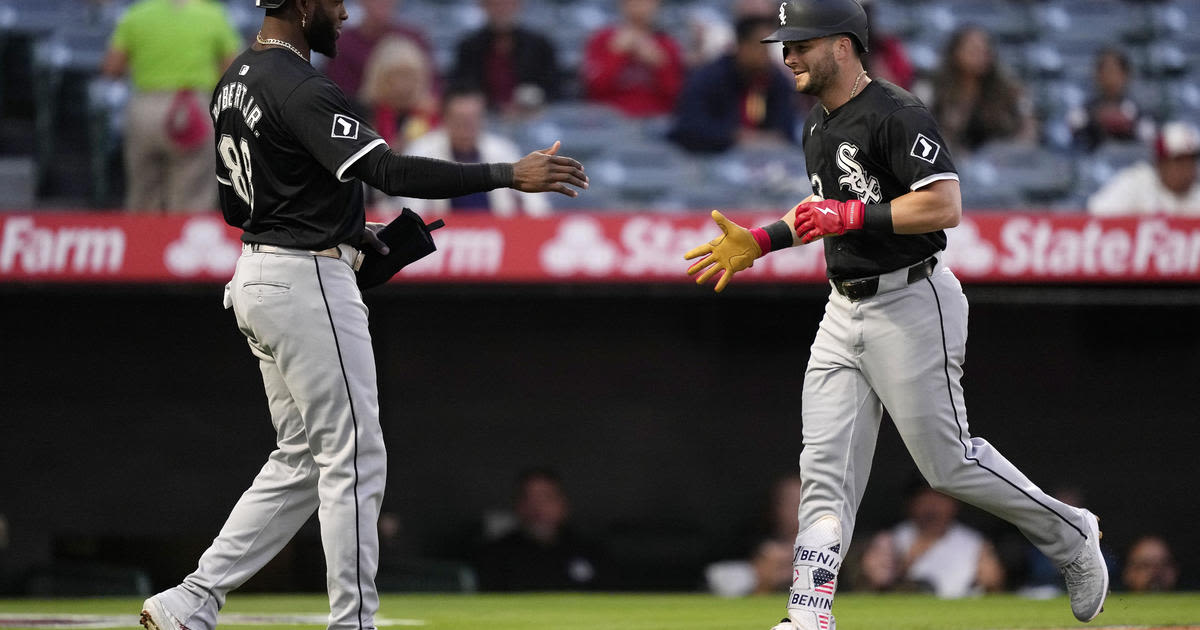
(398,91)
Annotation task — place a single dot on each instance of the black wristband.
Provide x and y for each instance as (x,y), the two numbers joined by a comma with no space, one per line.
(502,174)
(780,235)
(878,217)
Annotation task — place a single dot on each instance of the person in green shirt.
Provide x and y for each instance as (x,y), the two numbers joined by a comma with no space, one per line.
(173,51)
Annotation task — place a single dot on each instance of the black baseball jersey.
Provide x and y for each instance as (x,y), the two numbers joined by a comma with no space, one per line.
(878,146)
(285,137)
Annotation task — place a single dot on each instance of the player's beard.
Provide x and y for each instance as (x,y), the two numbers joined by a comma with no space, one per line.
(322,34)
(820,75)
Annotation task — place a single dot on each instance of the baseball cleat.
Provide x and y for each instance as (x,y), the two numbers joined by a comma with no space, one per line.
(787,623)
(1087,575)
(156,617)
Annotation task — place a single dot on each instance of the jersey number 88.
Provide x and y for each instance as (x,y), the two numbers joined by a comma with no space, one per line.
(239,168)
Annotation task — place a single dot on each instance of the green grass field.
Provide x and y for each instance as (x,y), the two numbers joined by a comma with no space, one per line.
(657,612)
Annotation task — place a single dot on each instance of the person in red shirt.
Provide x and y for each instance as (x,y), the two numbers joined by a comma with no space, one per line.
(632,65)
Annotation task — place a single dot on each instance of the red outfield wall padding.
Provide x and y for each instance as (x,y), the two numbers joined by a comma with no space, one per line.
(998,247)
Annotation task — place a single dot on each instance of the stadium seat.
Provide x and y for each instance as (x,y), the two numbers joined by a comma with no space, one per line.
(983,189)
(1006,21)
(647,175)
(896,17)
(1162,59)
(106,109)
(70,50)
(43,16)
(1042,176)
(1087,25)
(586,129)
(1099,167)
(762,176)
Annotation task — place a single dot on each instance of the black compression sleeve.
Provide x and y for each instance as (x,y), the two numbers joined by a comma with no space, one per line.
(427,178)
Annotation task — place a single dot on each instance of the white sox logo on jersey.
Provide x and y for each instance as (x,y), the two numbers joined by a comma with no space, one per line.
(925,149)
(344,127)
(855,178)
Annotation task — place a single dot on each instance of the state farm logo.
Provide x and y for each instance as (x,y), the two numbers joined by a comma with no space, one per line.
(203,247)
(1035,247)
(26,248)
(579,247)
(1151,247)
(654,246)
(967,250)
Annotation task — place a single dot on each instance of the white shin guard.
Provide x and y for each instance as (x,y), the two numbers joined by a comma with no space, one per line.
(815,564)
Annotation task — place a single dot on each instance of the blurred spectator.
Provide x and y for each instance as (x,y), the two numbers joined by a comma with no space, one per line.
(397,89)
(1149,566)
(463,138)
(543,553)
(931,551)
(355,44)
(755,8)
(1168,186)
(1111,114)
(632,65)
(514,67)
(975,99)
(769,569)
(709,36)
(174,52)
(885,58)
(742,98)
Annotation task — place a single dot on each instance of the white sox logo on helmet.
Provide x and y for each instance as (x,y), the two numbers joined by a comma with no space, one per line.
(783,14)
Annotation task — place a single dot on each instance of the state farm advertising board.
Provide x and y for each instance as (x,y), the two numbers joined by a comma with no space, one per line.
(992,247)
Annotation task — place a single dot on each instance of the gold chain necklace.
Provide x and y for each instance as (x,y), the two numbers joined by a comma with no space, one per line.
(271,41)
(853,89)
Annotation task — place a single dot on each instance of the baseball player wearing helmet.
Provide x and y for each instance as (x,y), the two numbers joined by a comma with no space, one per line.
(895,327)
(291,154)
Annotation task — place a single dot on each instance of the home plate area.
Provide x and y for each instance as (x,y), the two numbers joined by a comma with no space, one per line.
(19,620)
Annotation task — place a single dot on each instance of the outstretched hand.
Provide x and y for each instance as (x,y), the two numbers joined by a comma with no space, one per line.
(546,171)
(727,254)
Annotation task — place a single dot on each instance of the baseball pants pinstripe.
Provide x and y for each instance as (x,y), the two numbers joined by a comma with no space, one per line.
(304,319)
(903,350)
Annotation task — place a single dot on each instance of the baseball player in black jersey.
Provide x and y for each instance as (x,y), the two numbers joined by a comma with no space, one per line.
(291,154)
(895,328)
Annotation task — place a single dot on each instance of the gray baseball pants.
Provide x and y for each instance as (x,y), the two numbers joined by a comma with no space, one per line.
(304,318)
(903,350)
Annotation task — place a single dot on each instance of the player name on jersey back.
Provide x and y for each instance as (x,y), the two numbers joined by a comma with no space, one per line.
(233,95)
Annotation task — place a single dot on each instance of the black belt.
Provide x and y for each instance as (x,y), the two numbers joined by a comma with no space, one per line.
(863,288)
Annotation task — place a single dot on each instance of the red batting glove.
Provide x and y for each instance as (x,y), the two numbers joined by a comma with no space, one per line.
(818,219)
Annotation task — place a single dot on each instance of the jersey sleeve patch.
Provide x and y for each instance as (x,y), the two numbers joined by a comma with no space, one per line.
(344,127)
(925,149)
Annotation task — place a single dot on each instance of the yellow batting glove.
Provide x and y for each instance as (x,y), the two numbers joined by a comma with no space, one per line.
(731,252)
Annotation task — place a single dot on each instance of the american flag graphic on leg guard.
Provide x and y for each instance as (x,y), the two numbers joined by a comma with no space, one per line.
(824,582)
